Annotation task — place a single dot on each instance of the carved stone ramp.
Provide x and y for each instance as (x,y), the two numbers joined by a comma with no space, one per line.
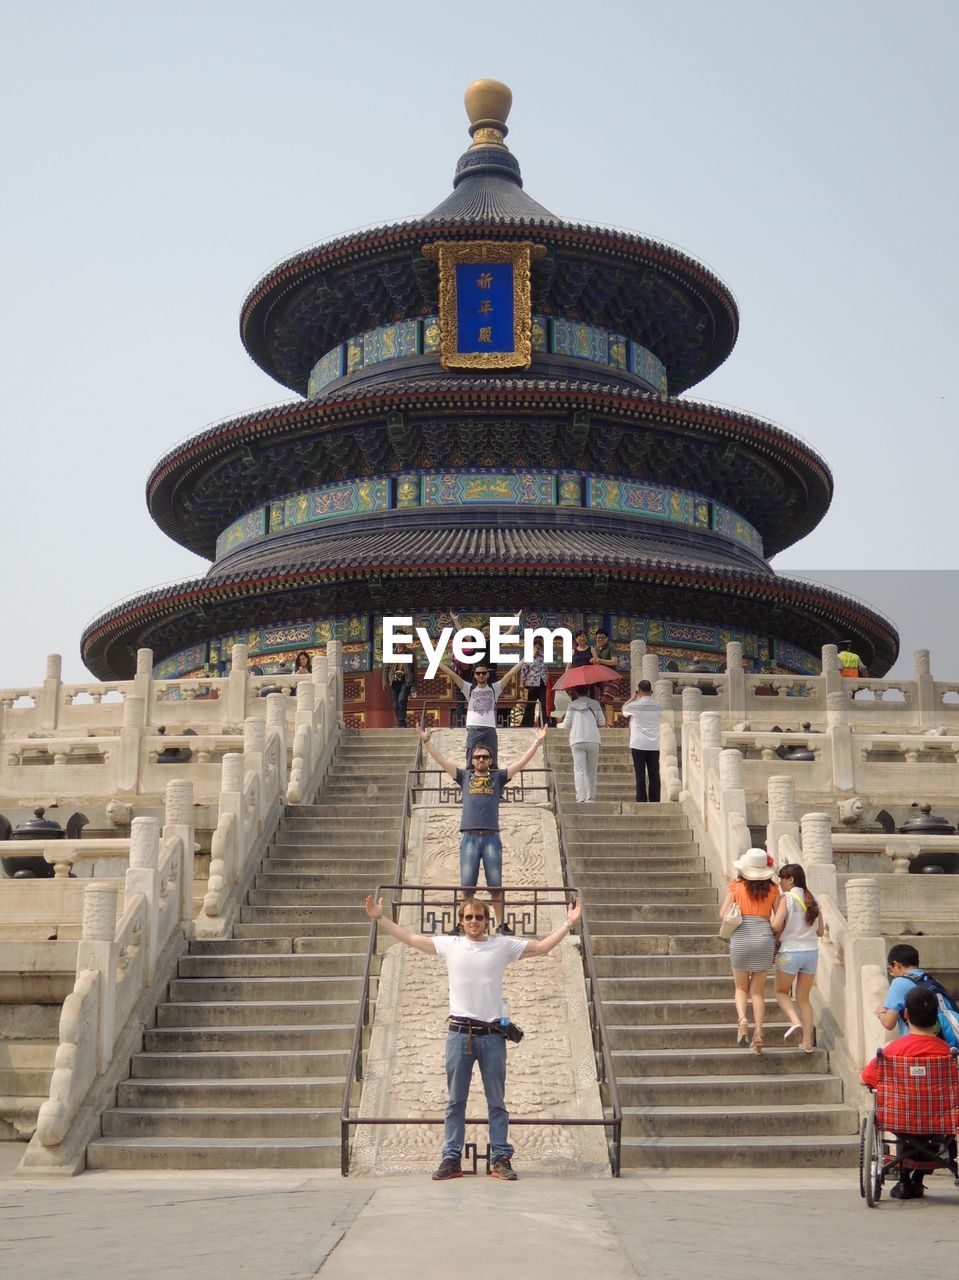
(690,1097)
(246,1065)
(551,1074)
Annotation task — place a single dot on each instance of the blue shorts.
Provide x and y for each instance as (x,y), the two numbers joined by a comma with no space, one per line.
(797,961)
(476,849)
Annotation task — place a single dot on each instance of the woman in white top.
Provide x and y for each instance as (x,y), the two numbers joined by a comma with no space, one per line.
(798,925)
(584,719)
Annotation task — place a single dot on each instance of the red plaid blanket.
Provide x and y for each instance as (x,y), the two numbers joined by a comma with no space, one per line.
(918,1095)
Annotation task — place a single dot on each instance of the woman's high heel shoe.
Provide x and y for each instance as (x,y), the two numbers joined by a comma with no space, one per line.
(743,1033)
(757,1042)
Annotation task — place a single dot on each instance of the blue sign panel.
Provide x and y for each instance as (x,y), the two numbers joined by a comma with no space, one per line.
(484,307)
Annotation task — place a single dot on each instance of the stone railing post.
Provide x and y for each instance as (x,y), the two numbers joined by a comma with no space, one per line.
(97,950)
(839,735)
(143,877)
(781,819)
(711,746)
(254,745)
(663,694)
(637,652)
(178,824)
(735,684)
(925,690)
(692,710)
(131,743)
(143,684)
(865,947)
(276,718)
(817,854)
(651,671)
(50,692)
(334,656)
(732,807)
(237,686)
(830,668)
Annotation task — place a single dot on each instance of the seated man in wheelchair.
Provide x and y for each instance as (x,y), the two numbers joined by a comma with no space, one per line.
(917,1097)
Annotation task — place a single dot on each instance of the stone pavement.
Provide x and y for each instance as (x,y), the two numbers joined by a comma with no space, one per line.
(288,1225)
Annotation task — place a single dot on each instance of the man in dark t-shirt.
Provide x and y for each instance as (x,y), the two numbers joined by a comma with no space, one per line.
(482,787)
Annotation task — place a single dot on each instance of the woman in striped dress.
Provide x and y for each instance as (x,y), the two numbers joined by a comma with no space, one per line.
(752,946)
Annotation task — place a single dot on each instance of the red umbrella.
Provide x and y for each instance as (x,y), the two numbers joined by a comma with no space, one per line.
(588,674)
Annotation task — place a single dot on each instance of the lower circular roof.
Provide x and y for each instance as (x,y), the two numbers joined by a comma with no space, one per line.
(369,571)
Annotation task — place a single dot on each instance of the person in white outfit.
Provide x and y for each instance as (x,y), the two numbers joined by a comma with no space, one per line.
(584,719)
(644,714)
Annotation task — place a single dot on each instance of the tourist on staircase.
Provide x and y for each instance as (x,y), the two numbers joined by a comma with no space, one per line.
(644,714)
(475,963)
(752,945)
(798,924)
(482,787)
(584,719)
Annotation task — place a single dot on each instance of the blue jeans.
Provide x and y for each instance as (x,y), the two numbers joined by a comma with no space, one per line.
(490,1052)
(401,696)
(476,849)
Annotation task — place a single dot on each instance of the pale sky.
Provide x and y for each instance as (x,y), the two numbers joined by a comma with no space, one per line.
(157,160)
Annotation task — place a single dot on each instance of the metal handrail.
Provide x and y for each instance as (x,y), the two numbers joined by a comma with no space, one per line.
(605,1069)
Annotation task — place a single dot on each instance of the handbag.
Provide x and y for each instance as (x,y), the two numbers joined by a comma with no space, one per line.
(731,921)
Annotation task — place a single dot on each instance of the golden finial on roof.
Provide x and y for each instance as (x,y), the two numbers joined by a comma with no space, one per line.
(487,105)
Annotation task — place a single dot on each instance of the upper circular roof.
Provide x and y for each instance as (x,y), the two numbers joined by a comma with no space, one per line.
(646,290)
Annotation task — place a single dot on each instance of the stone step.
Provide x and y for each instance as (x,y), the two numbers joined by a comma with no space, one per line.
(380,790)
(214,1153)
(666,1012)
(332,1015)
(723,1061)
(607,942)
(303,863)
(329,1041)
(344,900)
(608,907)
(25,1081)
(19,1055)
(649,865)
(704,965)
(296,1091)
(305,919)
(742,1152)
(373,831)
(286,946)
(341,849)
(635,876)
(223,1122)
(666,987)
(696,1038)
(626,835)
(364,809)
(768,1091)
(343,881)
(316,965)
(607,920)
(224,990)
(300,932)
(225,1066)
(630,893)
(739,1121)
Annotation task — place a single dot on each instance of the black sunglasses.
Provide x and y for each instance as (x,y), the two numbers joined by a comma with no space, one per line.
(481,916)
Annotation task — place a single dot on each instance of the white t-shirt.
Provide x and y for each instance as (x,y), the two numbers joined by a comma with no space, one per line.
(476,973)
(481,710)
(796,934)
(644,717)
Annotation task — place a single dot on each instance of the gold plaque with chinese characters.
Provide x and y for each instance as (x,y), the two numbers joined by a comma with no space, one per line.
(485,306)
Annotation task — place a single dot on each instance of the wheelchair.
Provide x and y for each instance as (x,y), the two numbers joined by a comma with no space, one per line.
(912,1123)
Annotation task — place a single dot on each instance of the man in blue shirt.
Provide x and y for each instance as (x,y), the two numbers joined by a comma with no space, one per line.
(482,787)
(904,971)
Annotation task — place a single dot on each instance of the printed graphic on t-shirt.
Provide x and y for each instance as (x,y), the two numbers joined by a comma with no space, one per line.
(483,701)
(480,784)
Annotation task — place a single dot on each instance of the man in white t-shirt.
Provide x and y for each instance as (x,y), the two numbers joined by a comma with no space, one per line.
(475,963)
(481,699)
(644,714)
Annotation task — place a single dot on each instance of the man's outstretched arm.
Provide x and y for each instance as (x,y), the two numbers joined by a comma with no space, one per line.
(545,945)
(513,769)
(443,761)
(419,941)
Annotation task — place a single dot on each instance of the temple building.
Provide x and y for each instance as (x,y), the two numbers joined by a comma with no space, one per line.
(491,415)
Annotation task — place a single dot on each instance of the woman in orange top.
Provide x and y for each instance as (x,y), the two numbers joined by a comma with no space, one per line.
(752,946)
